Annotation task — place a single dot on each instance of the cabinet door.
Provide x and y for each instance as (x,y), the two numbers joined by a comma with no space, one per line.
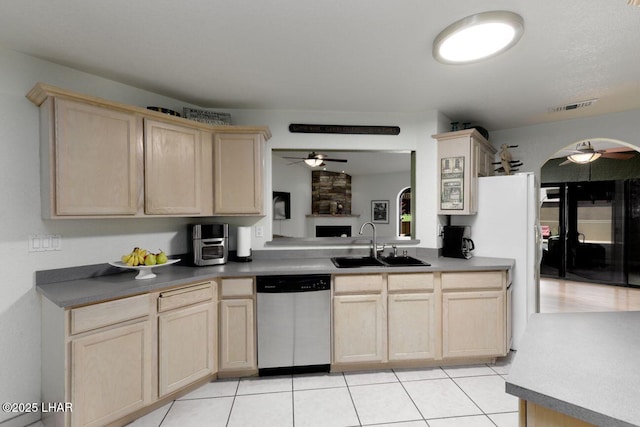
(237,335)
(473,324)
(412,332)
(237,174)
(172,169)
(359,330)
(94,160)
(186,346)
(111,374)
(456,175)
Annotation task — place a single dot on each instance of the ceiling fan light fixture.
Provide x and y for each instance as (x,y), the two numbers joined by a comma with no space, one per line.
(313,162)
(477,37)
(584,158)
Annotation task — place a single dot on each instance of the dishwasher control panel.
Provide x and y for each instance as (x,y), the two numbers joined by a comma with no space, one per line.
(293,283)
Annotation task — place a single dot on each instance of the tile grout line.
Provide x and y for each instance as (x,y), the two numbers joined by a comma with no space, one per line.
(293,404)
(410,398)
(166,413)
(232,403)
(355,409)
(469,397)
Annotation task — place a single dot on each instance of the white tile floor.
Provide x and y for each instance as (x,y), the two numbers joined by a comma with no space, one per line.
(471,396)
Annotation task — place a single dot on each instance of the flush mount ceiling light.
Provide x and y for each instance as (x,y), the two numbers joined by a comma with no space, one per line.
(477,37)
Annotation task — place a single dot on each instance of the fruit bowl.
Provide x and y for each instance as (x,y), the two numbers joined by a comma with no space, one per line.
(144,271)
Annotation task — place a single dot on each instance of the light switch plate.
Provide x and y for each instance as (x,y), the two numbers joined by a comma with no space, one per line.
(45,242)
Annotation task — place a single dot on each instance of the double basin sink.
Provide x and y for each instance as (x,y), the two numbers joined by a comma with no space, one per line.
(369,261)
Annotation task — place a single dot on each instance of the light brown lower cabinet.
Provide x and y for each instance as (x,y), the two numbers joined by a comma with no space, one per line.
(412,318)
(237,326)
(237,335)
(474,314)
(359,318)
(412,332)
(473,324)
(111,374)
(359,328)
(186,345)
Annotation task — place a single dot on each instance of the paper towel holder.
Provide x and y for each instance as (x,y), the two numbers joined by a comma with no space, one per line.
(244,245)
(244,258)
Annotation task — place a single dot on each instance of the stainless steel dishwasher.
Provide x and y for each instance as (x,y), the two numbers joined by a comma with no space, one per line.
(294,323)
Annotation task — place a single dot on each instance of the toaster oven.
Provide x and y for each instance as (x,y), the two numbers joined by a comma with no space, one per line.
(210,243)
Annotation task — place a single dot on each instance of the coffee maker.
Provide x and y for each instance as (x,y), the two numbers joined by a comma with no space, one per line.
(456,242)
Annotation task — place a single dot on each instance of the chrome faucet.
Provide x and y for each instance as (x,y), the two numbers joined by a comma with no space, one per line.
(374,243)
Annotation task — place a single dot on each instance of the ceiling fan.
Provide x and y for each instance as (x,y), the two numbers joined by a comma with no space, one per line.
(584,153)
(315,159)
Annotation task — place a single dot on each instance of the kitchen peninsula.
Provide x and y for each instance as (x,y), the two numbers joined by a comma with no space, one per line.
(578,370)
(190,325)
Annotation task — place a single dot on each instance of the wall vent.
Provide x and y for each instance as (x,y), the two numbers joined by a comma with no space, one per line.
(574,106)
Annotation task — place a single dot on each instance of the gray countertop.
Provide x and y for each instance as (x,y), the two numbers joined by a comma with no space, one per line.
(585,365)
(66,289)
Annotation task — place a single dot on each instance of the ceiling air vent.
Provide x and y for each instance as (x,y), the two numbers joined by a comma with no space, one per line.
(574,106)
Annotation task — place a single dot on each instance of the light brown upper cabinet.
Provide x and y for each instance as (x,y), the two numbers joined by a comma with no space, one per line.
(172,156)
(102,159)
(237,174)
(89,164)
(463,156)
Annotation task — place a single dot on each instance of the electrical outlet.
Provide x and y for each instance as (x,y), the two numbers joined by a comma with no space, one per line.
(259,231)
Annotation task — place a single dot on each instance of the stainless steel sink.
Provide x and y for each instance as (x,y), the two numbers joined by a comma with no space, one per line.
(354,262)
(396,261)
(368,261)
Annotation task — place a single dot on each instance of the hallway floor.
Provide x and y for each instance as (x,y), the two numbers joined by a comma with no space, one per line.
(558,295)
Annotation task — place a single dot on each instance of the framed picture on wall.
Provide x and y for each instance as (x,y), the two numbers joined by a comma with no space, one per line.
(380,211)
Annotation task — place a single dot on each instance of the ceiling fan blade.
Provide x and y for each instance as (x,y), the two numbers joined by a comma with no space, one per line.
(618,156)
(566,162)
(326,159)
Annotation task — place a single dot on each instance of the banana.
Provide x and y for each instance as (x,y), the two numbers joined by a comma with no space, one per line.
(136,257)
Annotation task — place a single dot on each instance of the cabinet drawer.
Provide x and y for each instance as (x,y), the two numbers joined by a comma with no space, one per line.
(358,283)
(410,282)
(473,280)
(187,295)
(109,313)
(237,287)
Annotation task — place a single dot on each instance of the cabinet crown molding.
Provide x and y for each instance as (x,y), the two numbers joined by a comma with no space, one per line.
(41,91)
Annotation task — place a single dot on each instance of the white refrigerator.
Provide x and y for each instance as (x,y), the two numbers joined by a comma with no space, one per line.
(507,226)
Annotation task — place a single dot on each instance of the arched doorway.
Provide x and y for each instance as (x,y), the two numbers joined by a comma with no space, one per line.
(590,214)
(404,212)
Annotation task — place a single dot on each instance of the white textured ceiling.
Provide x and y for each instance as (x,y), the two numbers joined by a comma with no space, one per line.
(356,55)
